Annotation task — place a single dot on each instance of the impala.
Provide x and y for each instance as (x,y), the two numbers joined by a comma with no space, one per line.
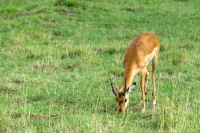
(143,49)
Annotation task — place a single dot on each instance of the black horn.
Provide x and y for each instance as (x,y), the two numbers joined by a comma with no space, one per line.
(113,87)
(125,87)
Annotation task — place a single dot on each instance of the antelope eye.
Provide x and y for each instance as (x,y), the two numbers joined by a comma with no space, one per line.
(125,100)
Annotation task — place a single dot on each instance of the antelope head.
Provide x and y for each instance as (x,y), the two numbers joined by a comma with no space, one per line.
(122,95)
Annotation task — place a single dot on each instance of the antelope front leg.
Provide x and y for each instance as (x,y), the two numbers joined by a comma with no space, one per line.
(146,81)
(143,88)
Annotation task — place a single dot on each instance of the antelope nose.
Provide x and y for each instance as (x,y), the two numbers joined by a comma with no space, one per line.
(121,111)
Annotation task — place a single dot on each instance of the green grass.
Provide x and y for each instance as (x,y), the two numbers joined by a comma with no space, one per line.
(55,56)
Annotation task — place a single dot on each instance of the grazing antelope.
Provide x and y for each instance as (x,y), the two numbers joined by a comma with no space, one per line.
(144,48)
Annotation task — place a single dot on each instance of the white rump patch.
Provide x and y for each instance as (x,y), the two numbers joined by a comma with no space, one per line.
(149,57)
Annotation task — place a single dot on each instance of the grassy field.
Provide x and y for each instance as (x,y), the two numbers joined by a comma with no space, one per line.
(55,56)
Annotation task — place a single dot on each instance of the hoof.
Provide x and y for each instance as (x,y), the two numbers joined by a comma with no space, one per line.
(143,110)
(154,106)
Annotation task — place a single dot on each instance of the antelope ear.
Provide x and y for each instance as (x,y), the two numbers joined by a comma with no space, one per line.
(131,87)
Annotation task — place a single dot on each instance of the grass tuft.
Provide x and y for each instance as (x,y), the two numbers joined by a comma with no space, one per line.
(5,123)
(67,3)
(77,52)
